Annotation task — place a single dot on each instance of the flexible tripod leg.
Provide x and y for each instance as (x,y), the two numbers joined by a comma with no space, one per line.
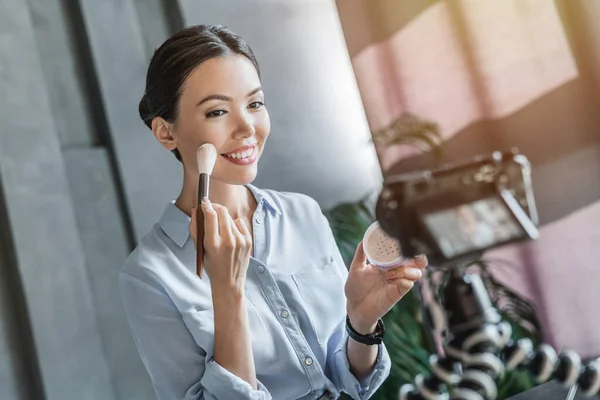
(480,348)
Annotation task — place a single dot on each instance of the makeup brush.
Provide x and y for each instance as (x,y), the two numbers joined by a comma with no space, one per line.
(206,156)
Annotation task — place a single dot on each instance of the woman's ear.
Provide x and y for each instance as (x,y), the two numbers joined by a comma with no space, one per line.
(163,132)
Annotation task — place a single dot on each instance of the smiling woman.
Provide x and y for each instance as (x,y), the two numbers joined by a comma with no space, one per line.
(253,327)
(203,84)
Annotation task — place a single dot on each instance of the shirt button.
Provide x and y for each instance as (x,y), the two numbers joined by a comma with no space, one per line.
(308,361)
(284,314)
(261,269)
(258,220)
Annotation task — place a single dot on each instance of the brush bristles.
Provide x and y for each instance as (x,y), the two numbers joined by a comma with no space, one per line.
(206,157)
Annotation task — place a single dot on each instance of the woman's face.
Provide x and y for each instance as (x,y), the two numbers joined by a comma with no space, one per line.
(222,103)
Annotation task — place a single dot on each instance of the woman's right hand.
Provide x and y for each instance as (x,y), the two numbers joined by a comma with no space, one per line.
(227,246)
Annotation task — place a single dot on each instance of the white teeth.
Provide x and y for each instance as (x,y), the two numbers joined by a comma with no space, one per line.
(244,154)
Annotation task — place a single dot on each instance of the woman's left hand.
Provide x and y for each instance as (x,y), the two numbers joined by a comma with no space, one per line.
(371,292)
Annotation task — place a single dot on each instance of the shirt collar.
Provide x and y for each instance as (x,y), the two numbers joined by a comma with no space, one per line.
(175,223)
(263,197)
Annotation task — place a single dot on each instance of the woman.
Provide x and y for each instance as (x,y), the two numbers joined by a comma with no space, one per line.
(269,318)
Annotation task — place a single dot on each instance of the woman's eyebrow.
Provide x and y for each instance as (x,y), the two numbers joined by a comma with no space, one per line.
(214,97)
(225,98)
(252,93)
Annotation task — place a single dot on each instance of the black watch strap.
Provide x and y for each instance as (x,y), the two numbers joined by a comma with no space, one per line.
(369,339)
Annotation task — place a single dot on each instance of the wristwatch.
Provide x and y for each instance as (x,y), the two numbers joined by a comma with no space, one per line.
(369,339)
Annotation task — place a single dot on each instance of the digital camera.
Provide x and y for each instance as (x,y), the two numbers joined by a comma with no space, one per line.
(457,211)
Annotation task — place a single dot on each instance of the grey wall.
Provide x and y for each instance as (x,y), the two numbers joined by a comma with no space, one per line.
(13,340)
(82,179)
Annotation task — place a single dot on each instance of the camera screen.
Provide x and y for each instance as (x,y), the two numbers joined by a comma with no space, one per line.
(473,226)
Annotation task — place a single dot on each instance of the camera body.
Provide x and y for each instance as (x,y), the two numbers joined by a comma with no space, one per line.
(455,212)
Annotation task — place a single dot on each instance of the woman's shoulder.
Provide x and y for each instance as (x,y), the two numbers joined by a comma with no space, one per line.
(154,271)
(156,262)
(146,260)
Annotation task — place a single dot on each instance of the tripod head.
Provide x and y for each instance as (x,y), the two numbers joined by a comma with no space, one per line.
(467,303)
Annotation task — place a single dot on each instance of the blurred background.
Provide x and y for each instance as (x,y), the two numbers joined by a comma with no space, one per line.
(82,179)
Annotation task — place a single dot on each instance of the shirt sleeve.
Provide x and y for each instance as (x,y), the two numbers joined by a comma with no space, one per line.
(345,381)
(338,363)
(178,367)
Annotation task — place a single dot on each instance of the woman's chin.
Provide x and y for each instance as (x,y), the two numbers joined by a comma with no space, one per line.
(248,179)
(239,178)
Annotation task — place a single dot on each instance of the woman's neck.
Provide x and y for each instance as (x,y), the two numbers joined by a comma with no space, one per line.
(238,199)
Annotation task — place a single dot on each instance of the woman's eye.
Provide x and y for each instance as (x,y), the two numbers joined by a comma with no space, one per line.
(256,104)
(215,113)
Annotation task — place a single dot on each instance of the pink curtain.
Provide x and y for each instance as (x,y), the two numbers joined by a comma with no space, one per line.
(496,74)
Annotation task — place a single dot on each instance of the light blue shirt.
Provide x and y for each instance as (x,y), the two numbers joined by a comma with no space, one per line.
(295,300)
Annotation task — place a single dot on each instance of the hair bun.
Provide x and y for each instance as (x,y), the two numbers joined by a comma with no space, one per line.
(144,110)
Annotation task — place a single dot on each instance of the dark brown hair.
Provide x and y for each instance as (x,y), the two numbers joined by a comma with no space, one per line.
(176,58)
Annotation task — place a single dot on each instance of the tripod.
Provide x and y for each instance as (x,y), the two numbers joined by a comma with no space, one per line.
(479,348)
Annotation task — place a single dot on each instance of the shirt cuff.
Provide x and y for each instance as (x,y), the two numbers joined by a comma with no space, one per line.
(368,385)
(224,385)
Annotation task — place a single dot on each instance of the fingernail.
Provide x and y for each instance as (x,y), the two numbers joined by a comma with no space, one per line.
(408,284)
(206,205)
(392,273)
(421,259)
(417,272)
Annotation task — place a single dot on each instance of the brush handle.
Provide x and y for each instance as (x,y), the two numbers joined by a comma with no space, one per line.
(203,188)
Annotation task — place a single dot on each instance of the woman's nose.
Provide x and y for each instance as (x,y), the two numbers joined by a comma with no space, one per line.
(245,127)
